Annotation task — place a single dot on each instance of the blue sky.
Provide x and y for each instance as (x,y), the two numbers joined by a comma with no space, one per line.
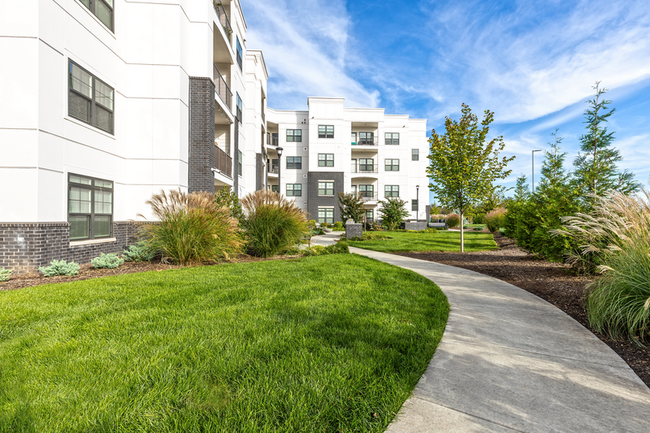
(533,63)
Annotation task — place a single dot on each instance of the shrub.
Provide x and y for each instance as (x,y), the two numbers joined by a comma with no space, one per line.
(142,252)
(192,228)
(324,225)
(338,227)
(106,261)
(340,247)
(311,224)
(453,220)
(615,239)
(271,222)
(495,219)
(5,274)
(393,211)
(59,267)
(317,232)
(226,197)
(478,219)
(351,207)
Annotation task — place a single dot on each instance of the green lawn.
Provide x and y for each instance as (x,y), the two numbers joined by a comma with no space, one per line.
(319,344)
(441,241)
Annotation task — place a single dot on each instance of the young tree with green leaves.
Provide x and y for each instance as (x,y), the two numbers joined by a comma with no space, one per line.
(463,164)
(595,169)
(393,212)
(351,207)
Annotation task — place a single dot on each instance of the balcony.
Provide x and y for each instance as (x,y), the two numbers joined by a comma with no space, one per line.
(368,196)
(222,162)
(365,168)
(366,141)
(222,17)
(274,169)
(221,88)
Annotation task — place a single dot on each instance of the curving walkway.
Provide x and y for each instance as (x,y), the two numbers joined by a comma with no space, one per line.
(510,361)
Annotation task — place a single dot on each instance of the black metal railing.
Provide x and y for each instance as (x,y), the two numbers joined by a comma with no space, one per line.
(366,141)
(222,161)
(221,88)
(222,16)
(368,196)
(365,168)
(274,169)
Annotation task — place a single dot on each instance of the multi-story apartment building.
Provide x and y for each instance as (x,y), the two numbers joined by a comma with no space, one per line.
(330,149)
(106,102)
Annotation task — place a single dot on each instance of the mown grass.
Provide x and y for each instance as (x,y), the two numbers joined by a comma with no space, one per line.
(441,241)
(319,344)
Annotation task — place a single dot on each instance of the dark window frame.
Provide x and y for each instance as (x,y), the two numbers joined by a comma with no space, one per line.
(92,215)
(295,164)
(327,190)
(295,190)
(363,166)
(325,131)
(327,162)
(240,162)
(327,211)
(294,135)
(392,165)
(390,140)
(390,191)
(414,205)
(275,188)
(370,215)
(366,138)
(240,54)
(92,100)
(240,108)
(367,190)
(415,154)
(92,7)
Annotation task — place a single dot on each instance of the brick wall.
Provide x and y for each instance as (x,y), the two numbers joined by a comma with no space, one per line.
(26,246)
(201,139)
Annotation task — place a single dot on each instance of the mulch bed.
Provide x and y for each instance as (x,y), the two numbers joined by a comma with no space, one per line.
(553,282)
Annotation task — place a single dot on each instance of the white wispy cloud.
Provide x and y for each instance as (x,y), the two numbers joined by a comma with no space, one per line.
(305,46)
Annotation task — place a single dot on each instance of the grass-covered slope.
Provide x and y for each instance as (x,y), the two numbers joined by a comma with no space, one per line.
(441,241)
(322,344)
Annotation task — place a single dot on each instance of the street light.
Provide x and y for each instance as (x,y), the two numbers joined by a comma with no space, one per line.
(533,154)
(279,150)
(417,201)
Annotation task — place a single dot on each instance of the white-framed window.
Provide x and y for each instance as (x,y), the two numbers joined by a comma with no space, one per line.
(391,138)
(326,215)
(392,165)
(326,188)
(325,131)
(294,135)
(326,160)
(90,207)
(294,190)
(102,9)
(391,190)
(90,99)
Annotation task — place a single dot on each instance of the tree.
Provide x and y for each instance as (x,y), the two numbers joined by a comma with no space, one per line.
(393,211)
(595,169)
(226,197)
(463,167)
(351,207)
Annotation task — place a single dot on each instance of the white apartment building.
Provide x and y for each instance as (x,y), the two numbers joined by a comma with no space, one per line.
(330,149)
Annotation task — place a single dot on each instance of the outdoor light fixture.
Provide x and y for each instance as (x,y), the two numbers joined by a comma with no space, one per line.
(279,150)
(533,177)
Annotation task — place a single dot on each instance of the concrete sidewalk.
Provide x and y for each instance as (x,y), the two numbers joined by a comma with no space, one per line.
(510,361)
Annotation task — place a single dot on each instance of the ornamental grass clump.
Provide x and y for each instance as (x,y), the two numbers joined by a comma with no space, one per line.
(191,228)
(271,223)
(615,241)
(495,219)
(453,220)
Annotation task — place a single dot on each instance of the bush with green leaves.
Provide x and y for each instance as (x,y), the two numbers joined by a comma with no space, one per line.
(5,274)
(615,238)
(452,221)
(338,227)
(272,223)
(191,228)
(351,207)
(495,219)
(478,219)
(107,261)
(226,197)
(59,267)
(141,252)
(370,236)
(341,247)
(393,212)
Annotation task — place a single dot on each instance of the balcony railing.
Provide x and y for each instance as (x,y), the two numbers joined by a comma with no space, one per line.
(368,196)
(222,89)
(222,161)
(222,16)
(365,168)
(274,169)
(369,141)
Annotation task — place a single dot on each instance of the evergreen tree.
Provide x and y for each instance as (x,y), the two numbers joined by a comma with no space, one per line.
(521,189)
(595,168)
(554,178)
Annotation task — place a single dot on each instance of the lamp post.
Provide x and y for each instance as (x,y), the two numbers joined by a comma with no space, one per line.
(279,150)
(533,154)
(417,201)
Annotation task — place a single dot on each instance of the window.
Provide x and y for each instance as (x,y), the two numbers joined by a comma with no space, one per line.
(370,215)
(326,188)
(367,164)
(326,215)
(90,207)
(414,205)
(354,189)
(391,138)
(102,9)
(294,162)
(239,108)
(353,139)
(391,190)
(89,99)
(294,135)
(366,138)
(326,160)
(392,165)
(294,190)
(240,160)
(240,54)
(275,188)
(274,139)
(415,154)
(367,190)
(325,131)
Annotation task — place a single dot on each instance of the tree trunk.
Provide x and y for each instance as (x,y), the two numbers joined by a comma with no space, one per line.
(462,237)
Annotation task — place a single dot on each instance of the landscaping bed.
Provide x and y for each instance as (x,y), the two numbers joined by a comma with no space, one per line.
(553,282)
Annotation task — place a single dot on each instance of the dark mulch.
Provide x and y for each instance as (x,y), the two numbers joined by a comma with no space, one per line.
(553,282)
